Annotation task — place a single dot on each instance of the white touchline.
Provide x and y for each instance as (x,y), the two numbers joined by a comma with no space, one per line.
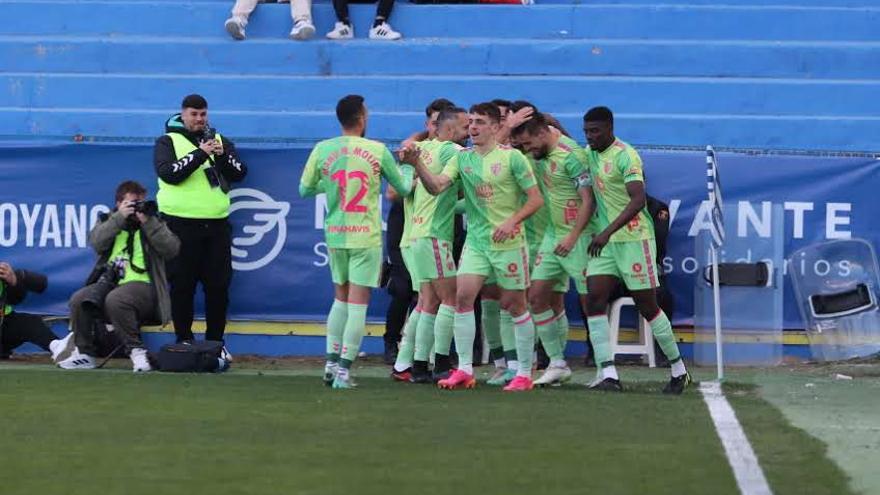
(749,476)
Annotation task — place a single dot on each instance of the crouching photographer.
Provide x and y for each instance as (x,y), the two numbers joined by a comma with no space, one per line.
(128,286)
(16,327)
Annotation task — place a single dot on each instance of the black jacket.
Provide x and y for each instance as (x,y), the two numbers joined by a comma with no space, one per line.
(26,281)
(174,171)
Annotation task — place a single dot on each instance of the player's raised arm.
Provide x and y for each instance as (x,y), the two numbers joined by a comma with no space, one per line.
(434,183)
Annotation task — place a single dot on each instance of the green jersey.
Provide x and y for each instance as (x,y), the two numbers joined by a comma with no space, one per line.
(611,170)
(433,216)
(493,187)
(405,237)
(562,172)
(536,225)
(349,170)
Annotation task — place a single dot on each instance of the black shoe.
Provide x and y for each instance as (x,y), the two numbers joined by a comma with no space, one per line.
(677,384)
(608,385)
(390,353)
(420,373)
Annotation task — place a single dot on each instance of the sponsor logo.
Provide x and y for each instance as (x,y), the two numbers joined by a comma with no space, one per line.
(265,224)
(637,268)
(512,268)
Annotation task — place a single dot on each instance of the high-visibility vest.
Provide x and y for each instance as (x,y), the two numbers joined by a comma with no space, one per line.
(194,197)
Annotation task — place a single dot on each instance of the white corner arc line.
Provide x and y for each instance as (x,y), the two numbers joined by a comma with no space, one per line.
(749,476)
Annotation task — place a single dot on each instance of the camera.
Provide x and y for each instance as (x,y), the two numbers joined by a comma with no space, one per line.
(147,207)
(209,133)
(111,274)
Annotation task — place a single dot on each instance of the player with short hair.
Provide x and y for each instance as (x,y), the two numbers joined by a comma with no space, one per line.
(494,178)
(623,249)
(560,165)
(432,260)
(403,364)
(349,169)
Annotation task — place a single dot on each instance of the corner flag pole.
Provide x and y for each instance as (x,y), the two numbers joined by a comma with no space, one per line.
(713,184)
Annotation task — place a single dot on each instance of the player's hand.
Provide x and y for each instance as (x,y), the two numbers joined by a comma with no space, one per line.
(598,242)
(126,209)
(8,274)
(505,231)
(565,246)
(410,155)
(519,117)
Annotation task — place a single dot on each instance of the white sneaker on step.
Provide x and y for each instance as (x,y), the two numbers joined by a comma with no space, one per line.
(77,361)
(139,361)
(302,30)
(235,27)
(341,31)
(384,32)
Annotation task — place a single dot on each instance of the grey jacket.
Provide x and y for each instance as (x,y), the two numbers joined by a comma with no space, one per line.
(159,245)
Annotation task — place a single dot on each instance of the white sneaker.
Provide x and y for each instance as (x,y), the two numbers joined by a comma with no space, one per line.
(302,30)
(553,375)
(384,32)
(225,355)
(235,27)
(57,346)
(77,361)
(139,361)
(341,31)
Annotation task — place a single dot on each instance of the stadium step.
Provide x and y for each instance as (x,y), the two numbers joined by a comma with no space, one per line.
(553,21)
(629,57)
(570,94)
(744,131)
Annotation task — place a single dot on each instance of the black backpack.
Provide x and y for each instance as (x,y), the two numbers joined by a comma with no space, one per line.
(193,357)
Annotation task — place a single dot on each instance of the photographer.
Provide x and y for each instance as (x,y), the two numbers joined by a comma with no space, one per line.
(17,328)
(127,287)
(195,166)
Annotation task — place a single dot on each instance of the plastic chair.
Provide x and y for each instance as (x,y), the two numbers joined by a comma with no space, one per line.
(645,345)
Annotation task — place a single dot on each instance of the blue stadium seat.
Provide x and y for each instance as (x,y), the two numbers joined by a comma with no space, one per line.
(795,74)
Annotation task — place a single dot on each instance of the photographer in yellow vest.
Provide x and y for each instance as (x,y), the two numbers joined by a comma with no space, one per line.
(195,165)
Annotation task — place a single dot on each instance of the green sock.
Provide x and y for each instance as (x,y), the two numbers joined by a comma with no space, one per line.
(508,338)
(562,331)
(524,328)
(465,329)
(491,327)
(335,328)
(355,326)
(407,342)
(547,332)
(599,337)
(424,336)
(662,329)
(443,329)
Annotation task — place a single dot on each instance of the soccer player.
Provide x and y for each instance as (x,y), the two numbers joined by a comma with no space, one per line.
(623,249)
(349,170)
(493,179)
(561,170)
(402,370)
(431,234)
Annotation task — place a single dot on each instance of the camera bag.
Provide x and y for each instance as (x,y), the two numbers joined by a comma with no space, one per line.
(192,357)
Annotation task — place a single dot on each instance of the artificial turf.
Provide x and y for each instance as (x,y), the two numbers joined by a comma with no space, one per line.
(113,432)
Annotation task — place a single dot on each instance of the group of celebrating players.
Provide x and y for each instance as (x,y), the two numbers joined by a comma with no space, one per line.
(540,211)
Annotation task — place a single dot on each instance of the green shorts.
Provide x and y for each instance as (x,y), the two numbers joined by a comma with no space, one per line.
(357,266)
(406,252)
(431,259)
(634,262)
(508,268)
(550,266)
